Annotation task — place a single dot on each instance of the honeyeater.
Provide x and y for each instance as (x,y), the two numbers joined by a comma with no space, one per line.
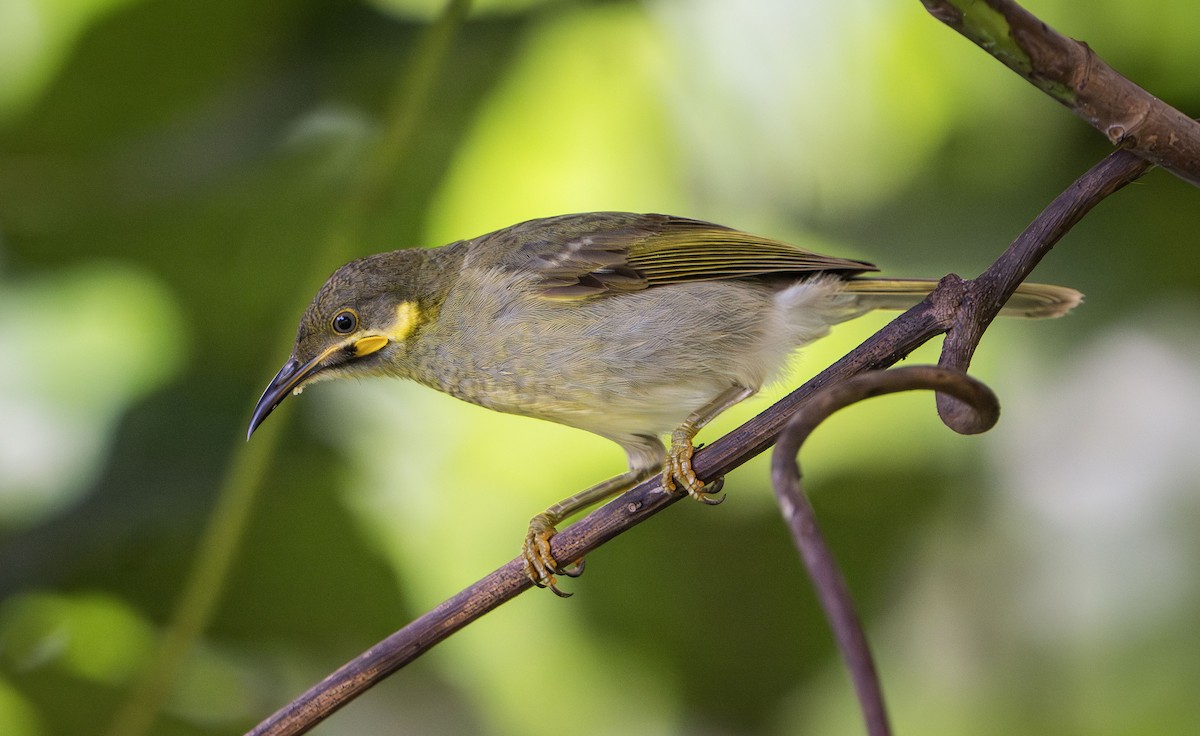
(630,326)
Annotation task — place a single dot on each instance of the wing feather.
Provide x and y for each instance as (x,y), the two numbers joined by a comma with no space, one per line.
(580,256)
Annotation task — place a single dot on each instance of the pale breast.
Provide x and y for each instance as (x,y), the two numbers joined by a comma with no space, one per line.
(634,363)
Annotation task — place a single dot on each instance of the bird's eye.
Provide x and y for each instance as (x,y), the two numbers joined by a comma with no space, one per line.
(344,322)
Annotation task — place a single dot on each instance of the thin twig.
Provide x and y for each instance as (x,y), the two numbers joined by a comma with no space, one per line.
(1070,72)
(798,512)
(993,287)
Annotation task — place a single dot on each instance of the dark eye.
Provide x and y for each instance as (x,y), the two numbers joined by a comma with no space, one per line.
(344,322)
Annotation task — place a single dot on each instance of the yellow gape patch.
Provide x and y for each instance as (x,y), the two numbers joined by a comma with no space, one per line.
(368,345)
(407,317)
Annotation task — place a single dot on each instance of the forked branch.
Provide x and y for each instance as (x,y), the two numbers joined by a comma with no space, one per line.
(802,521)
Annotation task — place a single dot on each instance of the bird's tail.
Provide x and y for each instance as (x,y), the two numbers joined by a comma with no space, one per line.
(1033,301)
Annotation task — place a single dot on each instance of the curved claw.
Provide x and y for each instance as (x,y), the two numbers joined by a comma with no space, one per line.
(573,571)
(552,584)
(709,496)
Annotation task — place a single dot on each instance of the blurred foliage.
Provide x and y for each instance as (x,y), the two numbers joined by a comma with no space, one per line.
(171,174)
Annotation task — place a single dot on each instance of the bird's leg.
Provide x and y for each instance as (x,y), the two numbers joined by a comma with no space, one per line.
(679,458)
(540,564)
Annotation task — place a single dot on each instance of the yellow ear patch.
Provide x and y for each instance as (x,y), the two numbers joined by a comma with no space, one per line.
(369,344)
(407,318)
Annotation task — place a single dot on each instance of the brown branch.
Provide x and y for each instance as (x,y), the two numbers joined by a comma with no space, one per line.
(956,306)
(993,287)
(798,512)
(1070,72)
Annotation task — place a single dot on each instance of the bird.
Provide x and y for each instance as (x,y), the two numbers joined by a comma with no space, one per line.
(635,327)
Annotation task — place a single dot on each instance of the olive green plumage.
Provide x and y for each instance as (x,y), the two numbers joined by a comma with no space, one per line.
(625,325)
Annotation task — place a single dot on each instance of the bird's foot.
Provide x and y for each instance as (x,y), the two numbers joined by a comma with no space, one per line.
(678,469)
(540,565)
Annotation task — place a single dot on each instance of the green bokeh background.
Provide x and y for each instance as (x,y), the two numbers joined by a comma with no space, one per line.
(176,179)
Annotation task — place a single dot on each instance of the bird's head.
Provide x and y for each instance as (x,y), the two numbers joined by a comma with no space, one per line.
(355,326)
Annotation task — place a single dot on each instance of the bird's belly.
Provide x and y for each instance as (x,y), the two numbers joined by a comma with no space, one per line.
(617,412)
(614,366)
(612,403)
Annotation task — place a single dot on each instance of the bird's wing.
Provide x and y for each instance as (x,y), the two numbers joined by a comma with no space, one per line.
(587,255)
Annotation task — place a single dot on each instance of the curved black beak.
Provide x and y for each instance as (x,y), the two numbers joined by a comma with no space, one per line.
(291,375)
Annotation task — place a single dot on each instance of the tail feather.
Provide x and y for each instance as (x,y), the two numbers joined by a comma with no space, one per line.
(1033,301)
